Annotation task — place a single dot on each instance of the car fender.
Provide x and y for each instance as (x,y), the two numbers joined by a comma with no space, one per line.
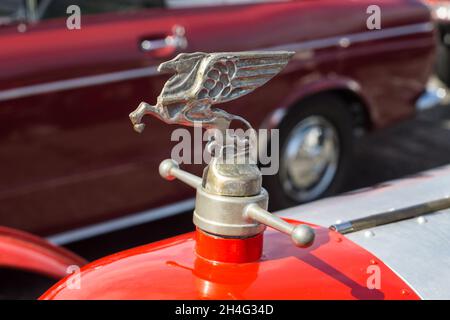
(21,250)
(303,90)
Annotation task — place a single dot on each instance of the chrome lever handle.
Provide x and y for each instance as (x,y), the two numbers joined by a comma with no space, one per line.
(302,235)
(170,170)
(177,40)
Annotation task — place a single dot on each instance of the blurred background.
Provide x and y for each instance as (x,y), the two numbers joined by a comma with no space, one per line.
(364,100)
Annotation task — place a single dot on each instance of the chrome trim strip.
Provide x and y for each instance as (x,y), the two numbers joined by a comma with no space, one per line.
(347,40)
(77,83)
(122,223)
(391,216)
(343,41)
(343,227)
(175,4)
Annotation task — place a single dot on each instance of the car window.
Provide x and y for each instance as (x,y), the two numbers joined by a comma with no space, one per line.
(11,10)
(48,9)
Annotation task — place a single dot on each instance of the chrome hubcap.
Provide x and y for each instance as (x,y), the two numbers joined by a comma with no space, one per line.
(309,159)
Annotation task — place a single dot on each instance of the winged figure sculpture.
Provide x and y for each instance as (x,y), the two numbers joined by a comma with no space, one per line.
(202,80)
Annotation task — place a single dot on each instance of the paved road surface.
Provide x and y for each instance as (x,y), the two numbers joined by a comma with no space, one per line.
(404,149)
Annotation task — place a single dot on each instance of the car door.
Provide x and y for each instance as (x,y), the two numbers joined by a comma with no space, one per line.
(69,156)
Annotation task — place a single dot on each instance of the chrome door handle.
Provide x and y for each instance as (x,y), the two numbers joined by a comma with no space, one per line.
(177,41)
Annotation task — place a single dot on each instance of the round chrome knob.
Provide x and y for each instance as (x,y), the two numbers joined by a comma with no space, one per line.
(166,166)
(303,236)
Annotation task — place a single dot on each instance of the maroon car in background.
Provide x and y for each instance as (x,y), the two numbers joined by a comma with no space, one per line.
(441,14)
(72,167)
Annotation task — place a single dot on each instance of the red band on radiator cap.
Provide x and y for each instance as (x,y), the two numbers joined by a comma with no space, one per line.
(234,250)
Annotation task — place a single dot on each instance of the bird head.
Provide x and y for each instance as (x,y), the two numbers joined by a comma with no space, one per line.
(180,63)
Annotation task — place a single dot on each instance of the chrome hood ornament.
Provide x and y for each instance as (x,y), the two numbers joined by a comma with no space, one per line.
(202,80)
(230,200)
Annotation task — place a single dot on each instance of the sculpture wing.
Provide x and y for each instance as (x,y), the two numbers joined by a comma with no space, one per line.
(178,88)
(228,76)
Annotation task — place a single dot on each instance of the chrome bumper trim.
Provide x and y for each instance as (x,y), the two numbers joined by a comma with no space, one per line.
(122,223)
(434,95)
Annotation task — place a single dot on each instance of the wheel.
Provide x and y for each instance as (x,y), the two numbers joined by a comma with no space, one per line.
(315,152)
(443,63)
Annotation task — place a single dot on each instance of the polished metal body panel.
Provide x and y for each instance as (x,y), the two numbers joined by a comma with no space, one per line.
(417,249)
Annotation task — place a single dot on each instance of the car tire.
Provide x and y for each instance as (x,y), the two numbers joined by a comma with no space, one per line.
(315,152)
